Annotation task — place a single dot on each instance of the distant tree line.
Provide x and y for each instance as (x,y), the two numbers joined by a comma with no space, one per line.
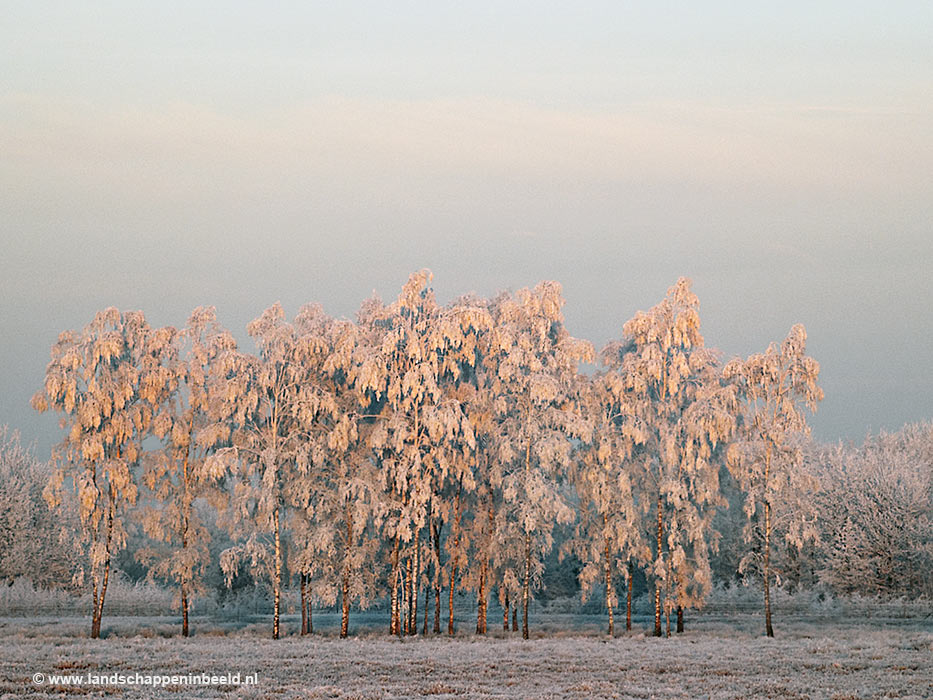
(424,449)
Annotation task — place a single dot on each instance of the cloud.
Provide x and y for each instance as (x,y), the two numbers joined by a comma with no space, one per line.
(346,145)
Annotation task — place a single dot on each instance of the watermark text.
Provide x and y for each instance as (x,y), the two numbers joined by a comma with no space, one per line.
(147,679)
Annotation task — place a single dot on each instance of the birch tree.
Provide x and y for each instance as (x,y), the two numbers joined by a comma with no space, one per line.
(478,546)
(422,436)
(608,537)
(536,363)
(336,486)
(178,473)
(465,498)
(687,415)
(97,380)
(778,386)
(265,398)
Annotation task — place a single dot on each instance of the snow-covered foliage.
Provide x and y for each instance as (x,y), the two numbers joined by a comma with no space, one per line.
(682,414)
(609,537)
(535,361)
(179,473)
(35,541)
(777,386)
(442,449)
(335,493)
(422,441)
(101,381)
(876,515)
(287,426)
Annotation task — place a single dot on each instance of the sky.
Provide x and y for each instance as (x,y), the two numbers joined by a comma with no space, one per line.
(161,156)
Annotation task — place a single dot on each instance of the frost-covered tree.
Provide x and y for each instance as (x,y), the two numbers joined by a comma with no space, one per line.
(462,495)
(423,439)
(876,515)
(608,537)
(536,361)
(482,534)
(777,386)
(685,414)
(178,473)
(478,547)
(335,488)
(99,380)
(269,402)
(36,542)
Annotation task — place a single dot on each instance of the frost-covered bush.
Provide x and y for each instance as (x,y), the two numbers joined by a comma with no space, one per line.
(876,516)
(22,597)
(34,541)
(139,599)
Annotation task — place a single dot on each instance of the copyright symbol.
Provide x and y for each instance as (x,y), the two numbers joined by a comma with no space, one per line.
(38,678)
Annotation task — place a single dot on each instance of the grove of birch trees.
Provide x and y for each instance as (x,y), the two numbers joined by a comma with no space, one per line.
(423,449)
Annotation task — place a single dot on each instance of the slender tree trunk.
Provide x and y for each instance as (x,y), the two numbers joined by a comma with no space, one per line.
(95,626)
(450,600)
(399,624)
(99,608)
(95,586)
(307,624)
(610,602)
(769,631)
(481,598)
(680,619)
(415,587)
(103,594)
(345,607)
(526,586)
(277,577)
(436,532)
(610,591)
(345,587)
(403,601)
(454,561)
(184,611)
(437,610)
(407,596)
(427,599)
(184,547)
(515,618)
(304,603)
(395,626)
(185,526)
(628,598)
(505,613)
(482,607)
(427,568)
(657,584)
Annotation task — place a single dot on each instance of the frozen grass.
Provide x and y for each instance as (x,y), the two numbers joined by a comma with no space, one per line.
(826,648)
(567,658)
(23,599)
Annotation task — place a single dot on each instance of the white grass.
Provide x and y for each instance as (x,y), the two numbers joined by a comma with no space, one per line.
(811,658)
(23,599)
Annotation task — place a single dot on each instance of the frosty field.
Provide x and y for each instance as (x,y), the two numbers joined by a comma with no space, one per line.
(716,659)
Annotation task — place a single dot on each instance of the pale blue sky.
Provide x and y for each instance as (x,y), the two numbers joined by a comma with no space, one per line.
(165,155)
